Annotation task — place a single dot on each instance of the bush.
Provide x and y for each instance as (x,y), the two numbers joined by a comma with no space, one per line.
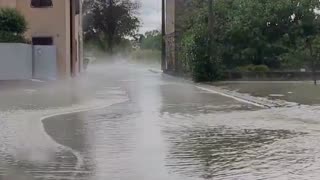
(247,68)
(261,68)
(6,37)
(12,21)
(12,26)
(195,55)
(253,68)
(151,40)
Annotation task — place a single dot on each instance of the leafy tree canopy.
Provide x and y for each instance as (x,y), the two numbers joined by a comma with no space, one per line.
(109,21)
(264,32)
(12,25)
(151,40)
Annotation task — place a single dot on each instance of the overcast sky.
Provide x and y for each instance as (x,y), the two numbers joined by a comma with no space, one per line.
(150,15)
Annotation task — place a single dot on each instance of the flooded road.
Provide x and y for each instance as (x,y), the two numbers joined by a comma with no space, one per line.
(145,125)
(302,92)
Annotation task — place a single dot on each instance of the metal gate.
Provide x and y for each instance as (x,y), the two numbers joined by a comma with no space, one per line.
(45,62)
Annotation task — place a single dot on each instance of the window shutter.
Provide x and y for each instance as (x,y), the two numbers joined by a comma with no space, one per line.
(42,41)
(46,3)
(35,3)
(41,3)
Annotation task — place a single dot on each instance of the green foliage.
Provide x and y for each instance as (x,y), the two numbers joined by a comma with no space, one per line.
(151,40)
(7,37)
(107,23)
(196,57)
(12,26)
(261,68)
(12,21)
(194,50)
(261,31)
(264,34)
(253,68)
(295,59)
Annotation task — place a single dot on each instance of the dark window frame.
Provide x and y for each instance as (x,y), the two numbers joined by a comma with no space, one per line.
(41,3)
(43,40)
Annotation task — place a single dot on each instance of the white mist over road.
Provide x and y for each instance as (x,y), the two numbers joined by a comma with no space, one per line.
(123,121)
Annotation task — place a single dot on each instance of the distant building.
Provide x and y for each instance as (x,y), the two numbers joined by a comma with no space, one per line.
(54,22)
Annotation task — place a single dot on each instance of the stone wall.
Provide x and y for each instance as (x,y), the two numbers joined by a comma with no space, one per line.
(174,12)
(170,52)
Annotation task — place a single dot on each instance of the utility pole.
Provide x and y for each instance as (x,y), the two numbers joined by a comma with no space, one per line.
(210,27)
(163,43)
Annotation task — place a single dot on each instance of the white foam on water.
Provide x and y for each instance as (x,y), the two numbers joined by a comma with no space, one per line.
(247,98)
(230,96)
(276,95)
(275,113)
(37,80)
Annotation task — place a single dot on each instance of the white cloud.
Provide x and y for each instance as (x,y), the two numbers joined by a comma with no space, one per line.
(150,15)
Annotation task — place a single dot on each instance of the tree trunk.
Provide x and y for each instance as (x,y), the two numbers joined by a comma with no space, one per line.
(110,43)
(111,26)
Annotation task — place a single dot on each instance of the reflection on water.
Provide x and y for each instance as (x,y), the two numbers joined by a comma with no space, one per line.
(214,152)
(62,165)
(40,96)
(103,138)
(185,99)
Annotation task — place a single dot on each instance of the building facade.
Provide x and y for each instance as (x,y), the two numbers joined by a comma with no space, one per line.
(54,22)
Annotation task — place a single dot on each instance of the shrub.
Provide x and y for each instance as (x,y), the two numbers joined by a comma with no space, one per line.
(195,55)
(12,26)
(261,68)
(12,21)
(242,69)
(253,68)
(6,37)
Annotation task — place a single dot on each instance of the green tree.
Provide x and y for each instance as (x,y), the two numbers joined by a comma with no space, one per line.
(108,22)
(151,40)
(263,30)
(251,32)
(12,26)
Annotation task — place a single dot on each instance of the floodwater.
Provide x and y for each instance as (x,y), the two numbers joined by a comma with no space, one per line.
(128,122)
(303,92)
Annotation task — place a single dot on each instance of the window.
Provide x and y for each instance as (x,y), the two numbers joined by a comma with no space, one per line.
(42,41)
(41,3)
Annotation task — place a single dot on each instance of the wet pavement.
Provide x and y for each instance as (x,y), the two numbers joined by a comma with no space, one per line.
(302,92)
(127,122)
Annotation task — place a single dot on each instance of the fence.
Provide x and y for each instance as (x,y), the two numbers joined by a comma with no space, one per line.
(23,61)
(15,61)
